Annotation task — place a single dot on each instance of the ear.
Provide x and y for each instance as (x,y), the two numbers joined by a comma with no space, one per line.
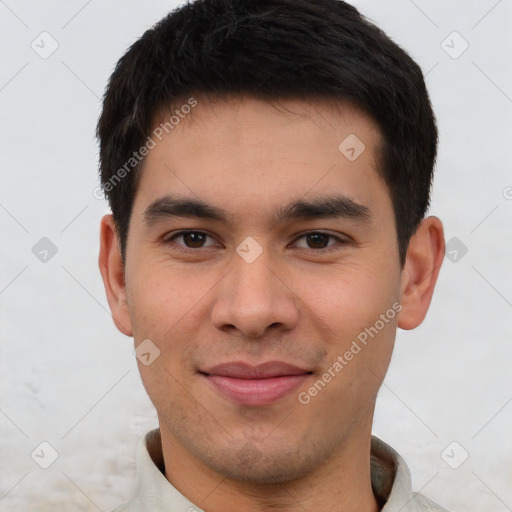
(112,273)
(424,258)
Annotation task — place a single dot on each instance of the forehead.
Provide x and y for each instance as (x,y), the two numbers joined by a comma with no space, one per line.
(249,155)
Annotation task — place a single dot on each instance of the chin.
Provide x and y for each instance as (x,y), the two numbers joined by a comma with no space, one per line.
(250,465)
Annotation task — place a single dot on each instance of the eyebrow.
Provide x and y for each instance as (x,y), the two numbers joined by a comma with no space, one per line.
(334,206)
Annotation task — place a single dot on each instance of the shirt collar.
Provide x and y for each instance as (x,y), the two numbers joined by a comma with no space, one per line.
(391,480)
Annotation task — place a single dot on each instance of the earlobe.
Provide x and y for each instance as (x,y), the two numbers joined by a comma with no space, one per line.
(112,273)
(424,258)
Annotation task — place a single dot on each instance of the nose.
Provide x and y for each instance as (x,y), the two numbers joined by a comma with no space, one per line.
(254,298)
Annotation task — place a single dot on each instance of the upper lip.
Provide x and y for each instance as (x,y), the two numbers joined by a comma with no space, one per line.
(242,370)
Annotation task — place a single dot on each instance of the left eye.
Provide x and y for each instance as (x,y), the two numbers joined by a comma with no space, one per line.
(317,240)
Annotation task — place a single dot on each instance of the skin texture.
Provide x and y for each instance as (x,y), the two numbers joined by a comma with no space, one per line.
(294,303)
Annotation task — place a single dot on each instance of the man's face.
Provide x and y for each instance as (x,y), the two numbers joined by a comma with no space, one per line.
(303,300)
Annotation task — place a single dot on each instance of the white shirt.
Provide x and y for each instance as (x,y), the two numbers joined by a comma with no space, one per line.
(390,476)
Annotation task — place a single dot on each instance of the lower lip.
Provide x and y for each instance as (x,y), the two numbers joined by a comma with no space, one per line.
(256,391)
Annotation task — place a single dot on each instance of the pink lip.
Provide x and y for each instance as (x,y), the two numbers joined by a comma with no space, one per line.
(256,385)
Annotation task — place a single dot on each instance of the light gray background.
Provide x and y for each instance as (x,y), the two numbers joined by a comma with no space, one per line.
(68,377)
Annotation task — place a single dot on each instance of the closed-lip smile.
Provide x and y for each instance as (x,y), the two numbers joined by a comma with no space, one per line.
(263,384)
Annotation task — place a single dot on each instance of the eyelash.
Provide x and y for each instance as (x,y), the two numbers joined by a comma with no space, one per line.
(170,240)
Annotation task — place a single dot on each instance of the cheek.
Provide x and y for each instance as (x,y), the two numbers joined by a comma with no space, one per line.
(168,307)
(350,299)
(162,298)
(361,313)
(162,310)
(360,309)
